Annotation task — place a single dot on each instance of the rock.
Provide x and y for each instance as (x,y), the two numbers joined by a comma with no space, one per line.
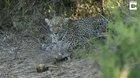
(41,68)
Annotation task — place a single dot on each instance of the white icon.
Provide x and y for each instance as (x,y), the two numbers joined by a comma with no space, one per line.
(132,5)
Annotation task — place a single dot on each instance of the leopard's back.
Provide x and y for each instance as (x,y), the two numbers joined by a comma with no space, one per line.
(90,26)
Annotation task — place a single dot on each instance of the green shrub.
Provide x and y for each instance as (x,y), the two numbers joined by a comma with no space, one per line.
(122,50)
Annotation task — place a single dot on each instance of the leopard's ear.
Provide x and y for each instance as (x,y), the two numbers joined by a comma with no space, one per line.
(66,20)
(47,21)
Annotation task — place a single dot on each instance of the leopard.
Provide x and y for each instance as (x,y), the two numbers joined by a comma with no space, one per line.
(72,33)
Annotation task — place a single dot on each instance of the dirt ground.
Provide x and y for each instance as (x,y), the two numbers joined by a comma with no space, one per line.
(19,56)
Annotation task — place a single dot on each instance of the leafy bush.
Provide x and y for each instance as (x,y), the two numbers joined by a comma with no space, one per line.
(119,56)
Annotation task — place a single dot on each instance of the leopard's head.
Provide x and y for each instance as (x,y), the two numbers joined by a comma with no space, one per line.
(56,23)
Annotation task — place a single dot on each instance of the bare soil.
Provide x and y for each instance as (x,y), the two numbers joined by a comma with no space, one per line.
(19,56)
